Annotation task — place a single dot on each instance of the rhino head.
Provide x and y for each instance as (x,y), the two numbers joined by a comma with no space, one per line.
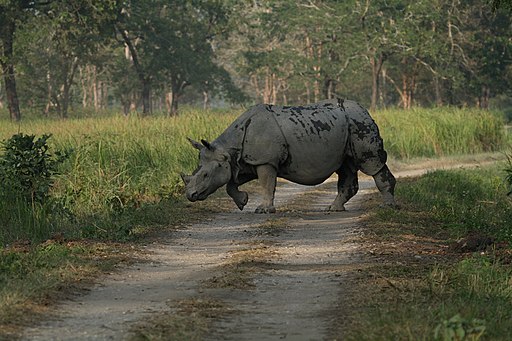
(214,171)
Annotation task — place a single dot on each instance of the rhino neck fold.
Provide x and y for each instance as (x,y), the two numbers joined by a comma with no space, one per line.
(232,141)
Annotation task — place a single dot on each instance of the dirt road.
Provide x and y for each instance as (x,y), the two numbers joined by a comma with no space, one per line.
(261,277)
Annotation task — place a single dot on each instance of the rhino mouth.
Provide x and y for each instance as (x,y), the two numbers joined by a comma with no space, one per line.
(194,196)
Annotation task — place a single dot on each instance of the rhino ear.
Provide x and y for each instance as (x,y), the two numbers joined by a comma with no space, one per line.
(207,144)
(195,144)
(185,178)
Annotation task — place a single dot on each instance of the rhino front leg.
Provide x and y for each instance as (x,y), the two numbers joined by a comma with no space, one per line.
(386,182)
(267,177)
(347,186)
(239,197)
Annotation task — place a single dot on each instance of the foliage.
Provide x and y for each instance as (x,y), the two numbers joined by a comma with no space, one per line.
(464,201)
(27,173)
(176,49)
(420,287)
(395,52)
(458,329)
(439,131)
(508,171)
(27,167)
(381,53)
(125,170)
(501,3)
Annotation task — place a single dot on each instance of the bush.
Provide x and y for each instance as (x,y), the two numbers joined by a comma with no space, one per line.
(508,171)
(27,168)
(27,173)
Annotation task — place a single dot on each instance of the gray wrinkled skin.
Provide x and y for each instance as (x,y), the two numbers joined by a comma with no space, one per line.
(303,144)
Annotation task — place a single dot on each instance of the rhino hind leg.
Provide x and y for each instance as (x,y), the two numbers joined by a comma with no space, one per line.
(267,176)
(386,182)
(347,186)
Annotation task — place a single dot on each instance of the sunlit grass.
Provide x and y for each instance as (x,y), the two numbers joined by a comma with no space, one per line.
(440,131)
(426,286)
(120,164)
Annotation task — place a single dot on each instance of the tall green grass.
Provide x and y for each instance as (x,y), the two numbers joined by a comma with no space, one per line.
(464,201)
(120,164)
(123,165)
(436,294)
(440,131)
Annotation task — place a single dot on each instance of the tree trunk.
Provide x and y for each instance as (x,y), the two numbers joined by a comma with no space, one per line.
(308,92)
(404,93)
(437,90)
(49,95)
(329,88)
(144,80)
(83,83)
(126,107)
(376,64)
(173,103)
(168,101)
(484,97)
(206,100)
(104,95)
(146,95)
(382,88)
(95,90)
(66,87)
(8,72)
(177,87)
(267,91)
(274,88)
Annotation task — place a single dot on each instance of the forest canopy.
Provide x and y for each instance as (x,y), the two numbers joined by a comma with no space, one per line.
(151,55)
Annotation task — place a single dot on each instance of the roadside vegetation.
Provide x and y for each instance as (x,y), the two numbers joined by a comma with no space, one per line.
(439,268)
(118,171)
(421,132)
(112,180)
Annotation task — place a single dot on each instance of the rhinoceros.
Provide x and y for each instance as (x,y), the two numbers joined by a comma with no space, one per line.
(303,144)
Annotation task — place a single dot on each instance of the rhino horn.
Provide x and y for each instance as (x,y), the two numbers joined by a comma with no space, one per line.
(185,178)
(207,144)
(195,144)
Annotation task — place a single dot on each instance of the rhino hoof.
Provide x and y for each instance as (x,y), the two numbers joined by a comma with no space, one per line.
(265,209)
(242,201)
(333,208)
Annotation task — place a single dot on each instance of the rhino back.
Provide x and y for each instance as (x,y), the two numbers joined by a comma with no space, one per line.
(316,136)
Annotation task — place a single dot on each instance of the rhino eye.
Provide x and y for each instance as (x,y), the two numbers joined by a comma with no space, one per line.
(205,175)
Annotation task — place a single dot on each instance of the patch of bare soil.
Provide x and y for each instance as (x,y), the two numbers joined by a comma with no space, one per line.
(275,276)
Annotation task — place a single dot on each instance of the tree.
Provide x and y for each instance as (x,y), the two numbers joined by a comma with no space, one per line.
(170,44)
(79,28)
(72,29)
(12,14)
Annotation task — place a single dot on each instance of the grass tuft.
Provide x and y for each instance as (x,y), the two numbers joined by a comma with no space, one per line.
(421,132)
(417,287)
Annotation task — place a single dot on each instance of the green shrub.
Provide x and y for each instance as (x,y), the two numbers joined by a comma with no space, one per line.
(27,168)
(27,173)
(508,173)
(464,201)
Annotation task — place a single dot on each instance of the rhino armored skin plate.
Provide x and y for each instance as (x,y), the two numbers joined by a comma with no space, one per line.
(303,144)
